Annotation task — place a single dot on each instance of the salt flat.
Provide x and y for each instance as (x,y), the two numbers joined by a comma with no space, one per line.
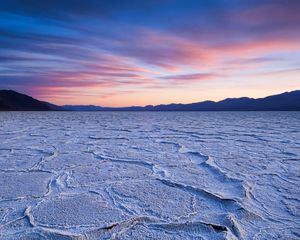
(149,175)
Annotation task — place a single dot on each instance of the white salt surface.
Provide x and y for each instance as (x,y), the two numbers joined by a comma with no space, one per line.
(147,175)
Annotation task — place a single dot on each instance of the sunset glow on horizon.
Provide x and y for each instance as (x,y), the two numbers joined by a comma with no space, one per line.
(124,53)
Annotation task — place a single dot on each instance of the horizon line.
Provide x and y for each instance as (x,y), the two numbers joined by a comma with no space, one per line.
(153,105)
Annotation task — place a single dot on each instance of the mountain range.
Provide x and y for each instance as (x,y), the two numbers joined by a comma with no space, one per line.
(14,101)
(288,101)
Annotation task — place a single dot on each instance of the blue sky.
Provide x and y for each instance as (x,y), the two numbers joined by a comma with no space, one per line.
(120,53)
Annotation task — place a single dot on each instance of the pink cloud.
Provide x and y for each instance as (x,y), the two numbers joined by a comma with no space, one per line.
(190,77)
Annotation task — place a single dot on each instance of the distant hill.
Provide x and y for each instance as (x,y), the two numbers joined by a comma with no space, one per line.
(14,101)
(288,101)
(85,108)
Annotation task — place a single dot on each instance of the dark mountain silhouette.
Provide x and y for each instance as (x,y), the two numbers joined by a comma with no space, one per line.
(288,101)
(14,101)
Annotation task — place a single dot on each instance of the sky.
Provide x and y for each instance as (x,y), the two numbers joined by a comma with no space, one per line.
(137,52)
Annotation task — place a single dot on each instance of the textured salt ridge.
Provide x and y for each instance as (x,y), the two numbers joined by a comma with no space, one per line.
(155,176)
